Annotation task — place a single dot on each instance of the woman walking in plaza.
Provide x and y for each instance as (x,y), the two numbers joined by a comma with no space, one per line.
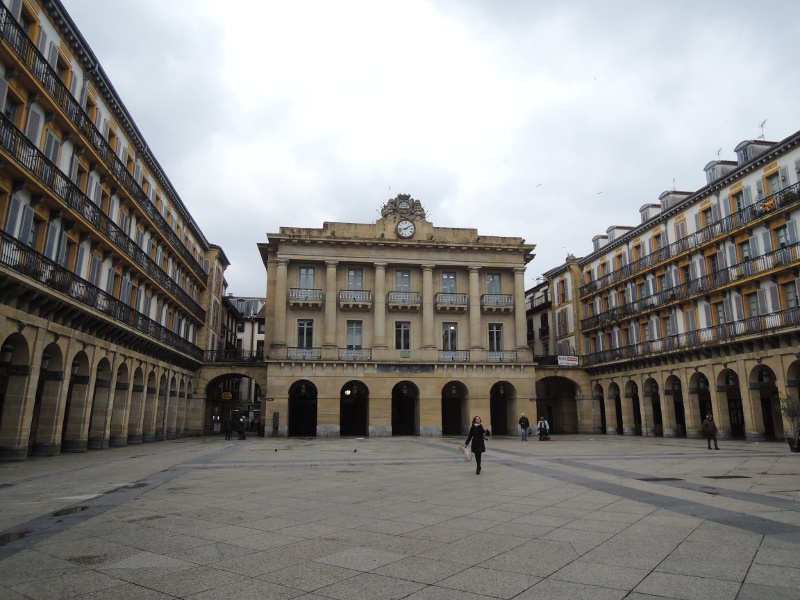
(476,434)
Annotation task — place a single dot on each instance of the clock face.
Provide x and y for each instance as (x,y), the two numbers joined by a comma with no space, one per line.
(405,228)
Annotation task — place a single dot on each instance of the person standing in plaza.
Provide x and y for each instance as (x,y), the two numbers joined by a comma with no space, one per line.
(228,427)
(710,430)
(525,424)
(476,435)
(544,429)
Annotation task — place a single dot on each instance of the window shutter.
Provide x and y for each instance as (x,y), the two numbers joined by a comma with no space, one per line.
(52,55)
(697,222)
(34,123)
(624,258)
(13,215)
(106,128)
(692,271)
(727,307)
(753,247)
(707,310)
(747,196)
(79,262)
(50,244)
(715,212)
(721,260)
(775,298)
(73,85)
(25,228)
(61,257)
(691,319)
(726,206)
(3,94)
(759,189)
(137,174)
(656,328)
(784,175)
(94,271)
(669,278)
(791,232)
(738,308)
(762,302)
(767,237)
(732,255)
(702,264)
(98,193)
(73,169)
(110,282)
(42,45)
(797,288)
(51,146)
(16,8)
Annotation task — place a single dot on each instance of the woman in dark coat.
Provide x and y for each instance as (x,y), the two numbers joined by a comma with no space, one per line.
(476,433)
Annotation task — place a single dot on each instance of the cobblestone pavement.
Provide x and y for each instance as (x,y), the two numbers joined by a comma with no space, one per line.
(580,517)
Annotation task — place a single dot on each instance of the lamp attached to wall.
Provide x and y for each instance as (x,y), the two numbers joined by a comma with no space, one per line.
(5,354)
(453,390)
(45,361)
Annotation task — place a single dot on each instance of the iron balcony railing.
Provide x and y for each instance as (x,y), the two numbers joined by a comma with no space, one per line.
(450,299)
(305,295)
(701,337)
(453,355)
(544,332)
(39,166)
(773,202)
(23,259)
(502,356)
(497,300)
(294,353)
(37,64)
(355,354)
(359,296)
(234,355)
(551,360)
(702,285)
(541,301)
(406,298)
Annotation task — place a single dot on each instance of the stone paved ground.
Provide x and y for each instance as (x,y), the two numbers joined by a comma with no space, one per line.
(580,517)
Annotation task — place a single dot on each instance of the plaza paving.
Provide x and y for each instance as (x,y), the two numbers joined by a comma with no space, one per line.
(594,517)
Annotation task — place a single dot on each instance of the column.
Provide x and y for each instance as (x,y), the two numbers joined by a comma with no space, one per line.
(279,335)
(427,307)
(379,339)
(329,338)
(474,308)
(520,329)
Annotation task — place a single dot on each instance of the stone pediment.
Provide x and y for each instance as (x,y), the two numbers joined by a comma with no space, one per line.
(403,206)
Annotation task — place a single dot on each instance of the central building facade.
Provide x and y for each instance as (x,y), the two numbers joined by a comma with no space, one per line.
(395,327)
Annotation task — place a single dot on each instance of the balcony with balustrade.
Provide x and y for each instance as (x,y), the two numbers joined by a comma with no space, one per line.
(403,301)
(450,302)
(305,298)
(355,354)
(748,216)
(497,303)
(355,299)
(502,356)
(454,356)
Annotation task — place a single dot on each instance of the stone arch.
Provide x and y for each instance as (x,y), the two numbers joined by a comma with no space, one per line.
(765,413)
(354,409)
(44,425)
(729,416)
(697,403)
(557,402)
(598,409)
(120,407)
(674,408)
(302,419)
(137,407)
(74,428)
(652,423)
(454,403)
(150,405)
(405,408)
(101,405)
(613,410)
(502,403)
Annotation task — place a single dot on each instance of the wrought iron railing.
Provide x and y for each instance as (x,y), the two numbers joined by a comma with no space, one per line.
(357,296)
(453,355)
(450,299)
(502,356)
(544,332)
(234,355)
(701,337)
(37,64)
(745,216)
(294,353)
(406,298)
(702,285)
(23,259)
(497,300)
(355,354)
(305,295)
(39,166)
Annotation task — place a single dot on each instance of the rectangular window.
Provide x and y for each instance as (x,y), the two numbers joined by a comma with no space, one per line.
(402,281)
(493,283)
(307,278)
(261,327)
(713,264)
(402,335)
(354,335)
(667,326)
(744,251)
(790,293)
(719,309)
(752,305)
(738,201)
(449,336)
(305,333)
(495,337)
(448,282)
(355,279)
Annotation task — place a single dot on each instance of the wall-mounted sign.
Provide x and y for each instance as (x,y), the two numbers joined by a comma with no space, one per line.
(270,399)
(568,361)
(227,395)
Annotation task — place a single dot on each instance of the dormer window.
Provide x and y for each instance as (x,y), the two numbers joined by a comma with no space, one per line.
(744,155)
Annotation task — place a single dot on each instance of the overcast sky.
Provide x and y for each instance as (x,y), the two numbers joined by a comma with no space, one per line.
(546,120)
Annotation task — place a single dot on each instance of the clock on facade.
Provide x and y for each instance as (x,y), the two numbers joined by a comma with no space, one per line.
(405,228)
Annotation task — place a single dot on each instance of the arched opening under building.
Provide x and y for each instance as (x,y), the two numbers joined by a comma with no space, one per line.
(598,409)
(455,420)
(614,398)
(502,399)
(45,417)
(302,409)
(633,409)
(732,396)
(353,409)
(555,401)
(674,390)
(703,397)
(768,401)
(232,395)
(653,399)
(405,409)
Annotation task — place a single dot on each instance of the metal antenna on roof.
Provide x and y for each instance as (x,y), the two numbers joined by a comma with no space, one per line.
(762,129)
(673,185)
(718,153)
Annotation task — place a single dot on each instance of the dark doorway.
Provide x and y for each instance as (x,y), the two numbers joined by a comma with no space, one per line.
(451,416)
(602,415)
(680,416)
(303,411)
(618,407)
(404,409)
(767,414)
(353,410)
(498,410)
(637,414)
